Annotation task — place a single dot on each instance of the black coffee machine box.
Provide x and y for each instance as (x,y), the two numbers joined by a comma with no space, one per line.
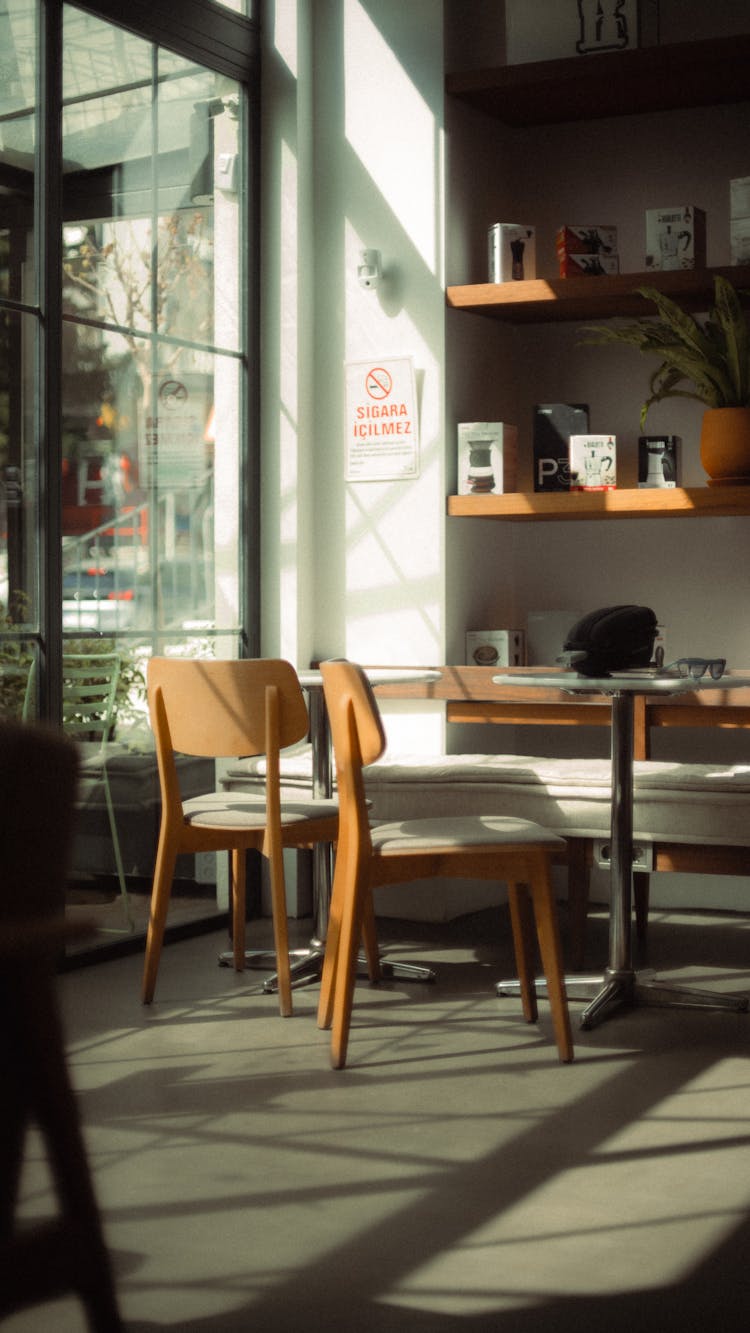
(554,423)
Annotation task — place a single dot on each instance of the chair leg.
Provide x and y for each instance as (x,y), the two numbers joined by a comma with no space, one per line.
(166,857)
(370,941)
(548,934)
(333,936)
(238,901)
(578,900)
(522,927)
(641,891)
(116,849)
(281,933)
(346,967)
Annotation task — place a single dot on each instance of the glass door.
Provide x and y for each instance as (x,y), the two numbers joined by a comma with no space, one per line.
(125,525)
(152,384)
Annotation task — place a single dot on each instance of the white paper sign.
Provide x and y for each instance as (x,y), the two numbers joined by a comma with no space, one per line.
(382,431)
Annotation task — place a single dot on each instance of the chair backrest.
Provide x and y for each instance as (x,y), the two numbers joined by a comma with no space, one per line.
(356,732)
(38,770)
(220,709)
(89,695)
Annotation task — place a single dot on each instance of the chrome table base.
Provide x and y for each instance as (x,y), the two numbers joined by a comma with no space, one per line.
(628,989)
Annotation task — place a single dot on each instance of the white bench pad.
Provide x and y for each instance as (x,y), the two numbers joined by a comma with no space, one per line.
(675,802)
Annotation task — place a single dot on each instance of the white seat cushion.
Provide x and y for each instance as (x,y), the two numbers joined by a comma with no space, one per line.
(469,831)
(675,802)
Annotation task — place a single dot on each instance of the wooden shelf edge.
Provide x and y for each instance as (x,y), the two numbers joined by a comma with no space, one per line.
(573,506)
(617,83)
(553,299)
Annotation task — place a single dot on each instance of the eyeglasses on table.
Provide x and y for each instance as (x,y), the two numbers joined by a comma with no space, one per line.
(697,667)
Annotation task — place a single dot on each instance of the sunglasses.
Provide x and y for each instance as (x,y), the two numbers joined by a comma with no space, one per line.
(698,666)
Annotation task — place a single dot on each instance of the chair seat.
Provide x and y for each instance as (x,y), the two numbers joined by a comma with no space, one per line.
(463,831)
(248,810)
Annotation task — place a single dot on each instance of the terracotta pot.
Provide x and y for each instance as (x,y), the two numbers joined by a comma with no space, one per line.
(725,446)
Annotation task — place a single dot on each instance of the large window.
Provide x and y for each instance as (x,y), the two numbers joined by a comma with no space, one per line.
(152,351)
(127,501)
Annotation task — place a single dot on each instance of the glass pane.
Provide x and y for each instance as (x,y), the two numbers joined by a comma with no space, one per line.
(152,366)
(19,515)
(17,141)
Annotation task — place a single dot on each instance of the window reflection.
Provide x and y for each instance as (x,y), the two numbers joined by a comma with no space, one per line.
(152,341)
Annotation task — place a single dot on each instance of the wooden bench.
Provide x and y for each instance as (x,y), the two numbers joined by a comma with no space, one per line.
(694,817)
(471,697)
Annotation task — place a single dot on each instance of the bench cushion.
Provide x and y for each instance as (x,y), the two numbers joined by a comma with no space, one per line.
(675,802)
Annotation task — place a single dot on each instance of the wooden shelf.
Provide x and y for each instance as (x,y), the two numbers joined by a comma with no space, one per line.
(694,502)
(619,83)
(551,300)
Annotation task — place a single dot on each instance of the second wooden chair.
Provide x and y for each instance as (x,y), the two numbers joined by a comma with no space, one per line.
(488,847)
(229,710)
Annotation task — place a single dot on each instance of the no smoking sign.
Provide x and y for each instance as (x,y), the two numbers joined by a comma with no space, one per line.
(382,437)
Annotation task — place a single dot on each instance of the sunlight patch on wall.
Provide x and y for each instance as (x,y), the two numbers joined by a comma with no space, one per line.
(285,33)
(391,129)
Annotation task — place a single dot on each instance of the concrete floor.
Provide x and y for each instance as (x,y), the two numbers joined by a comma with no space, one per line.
(454,1177)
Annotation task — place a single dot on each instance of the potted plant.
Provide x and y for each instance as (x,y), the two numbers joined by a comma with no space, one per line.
(708,360)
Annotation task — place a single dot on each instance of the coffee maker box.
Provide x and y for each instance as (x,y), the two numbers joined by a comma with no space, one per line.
(593,463)
(495,647)
(487,458)
(739,220)
(675,237)
(554,423)
(658,462)
(511,252)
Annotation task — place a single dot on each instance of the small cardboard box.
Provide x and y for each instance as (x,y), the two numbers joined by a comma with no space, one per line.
(739,240)
(553,29)
(739,197)
(554,423)
(546,632)
(589,240)
(675,237)
(487,458)
(658,462)
(495,647)
(593,463)
(588,266)
(511,252)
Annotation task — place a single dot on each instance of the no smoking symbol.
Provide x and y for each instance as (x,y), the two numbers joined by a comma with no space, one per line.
(378,382)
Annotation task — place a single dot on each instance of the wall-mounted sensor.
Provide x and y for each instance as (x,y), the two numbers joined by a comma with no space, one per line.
(226,172)
(369,270)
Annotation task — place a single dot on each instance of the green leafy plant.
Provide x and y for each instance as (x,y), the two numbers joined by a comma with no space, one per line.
(707,360)
(16,656)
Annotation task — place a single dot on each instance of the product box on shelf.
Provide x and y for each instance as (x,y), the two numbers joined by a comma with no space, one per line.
(589,240)
(511,252)
(495,647)
(554,423)
(739,220)
(739,240)
(546,632)
(675,237)
(588,266)
(556,29)
(487,457)
(658,462)
(739,197)
(593,463)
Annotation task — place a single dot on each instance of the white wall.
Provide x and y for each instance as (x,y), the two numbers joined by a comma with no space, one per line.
(354,160)
(360,149)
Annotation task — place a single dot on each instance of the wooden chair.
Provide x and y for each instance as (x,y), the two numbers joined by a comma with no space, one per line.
(488,847)
(89,707)
(89,714)
(38,771)
(228,710)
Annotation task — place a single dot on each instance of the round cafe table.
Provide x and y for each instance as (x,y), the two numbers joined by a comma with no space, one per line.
(620,985)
